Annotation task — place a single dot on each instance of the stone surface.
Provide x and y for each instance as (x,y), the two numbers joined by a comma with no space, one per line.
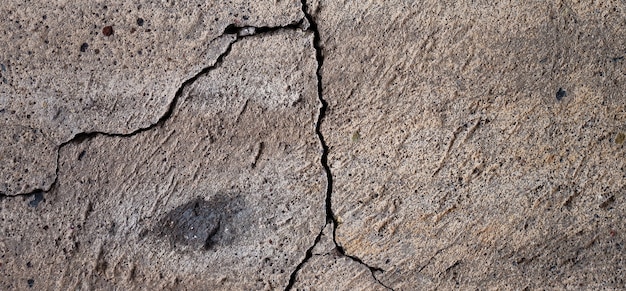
(329,270)
(227,194)
(476,143)
(115,66)
(471,145)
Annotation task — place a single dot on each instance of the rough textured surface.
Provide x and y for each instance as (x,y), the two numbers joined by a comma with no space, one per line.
(405,145)
(83,66)
(475,144)
(329,270)
(227,194)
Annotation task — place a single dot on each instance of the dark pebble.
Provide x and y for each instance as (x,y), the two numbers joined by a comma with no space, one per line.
(140,21)
(560,94)
(107,30)
(83,47)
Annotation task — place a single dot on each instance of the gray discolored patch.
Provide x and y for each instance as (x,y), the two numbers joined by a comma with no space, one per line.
(199,223)
(37,197)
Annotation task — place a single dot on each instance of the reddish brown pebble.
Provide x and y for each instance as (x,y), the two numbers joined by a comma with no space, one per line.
(107,30)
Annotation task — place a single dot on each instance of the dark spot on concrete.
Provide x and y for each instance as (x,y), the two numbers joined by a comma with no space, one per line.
(31,283)
(607,202)
(245,17)
(560,94)
(81,155)
(140,21)
(616,59)
(29,265)
(83,47)
(37,197)
(107,30)
(3,68)
(97,51)
(200,224)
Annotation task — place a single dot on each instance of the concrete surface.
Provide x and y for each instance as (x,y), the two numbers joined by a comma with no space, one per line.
(314,145)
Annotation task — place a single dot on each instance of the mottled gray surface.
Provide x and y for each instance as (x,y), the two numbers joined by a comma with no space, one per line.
(475,144)
(227,194)
(83,66)
(469,145)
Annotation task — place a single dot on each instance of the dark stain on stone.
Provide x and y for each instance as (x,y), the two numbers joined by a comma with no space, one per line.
(616,59)
(560,94)
(199,224)
(140,21)
(37,197)
(83,47)
(31,283)
(107,30)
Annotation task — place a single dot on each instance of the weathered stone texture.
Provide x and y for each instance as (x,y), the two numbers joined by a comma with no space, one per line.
(227,194)
(471,145)
(476,143)
(68,67)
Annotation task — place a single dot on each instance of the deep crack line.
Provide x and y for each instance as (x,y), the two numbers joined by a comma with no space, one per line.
(239,33)
(330,216)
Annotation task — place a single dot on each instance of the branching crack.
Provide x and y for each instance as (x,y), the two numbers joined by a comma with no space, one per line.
(239,32)
(330,216)
(307,23)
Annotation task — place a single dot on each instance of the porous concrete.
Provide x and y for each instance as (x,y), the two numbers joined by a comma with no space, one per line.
(314,145)
(477,144)
(70,67)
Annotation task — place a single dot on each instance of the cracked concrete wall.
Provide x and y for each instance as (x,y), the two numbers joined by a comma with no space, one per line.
(312,145)
(477,144)
(231,176)
(68,68)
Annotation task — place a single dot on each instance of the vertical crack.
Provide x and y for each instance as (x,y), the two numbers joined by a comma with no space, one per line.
(330,216)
